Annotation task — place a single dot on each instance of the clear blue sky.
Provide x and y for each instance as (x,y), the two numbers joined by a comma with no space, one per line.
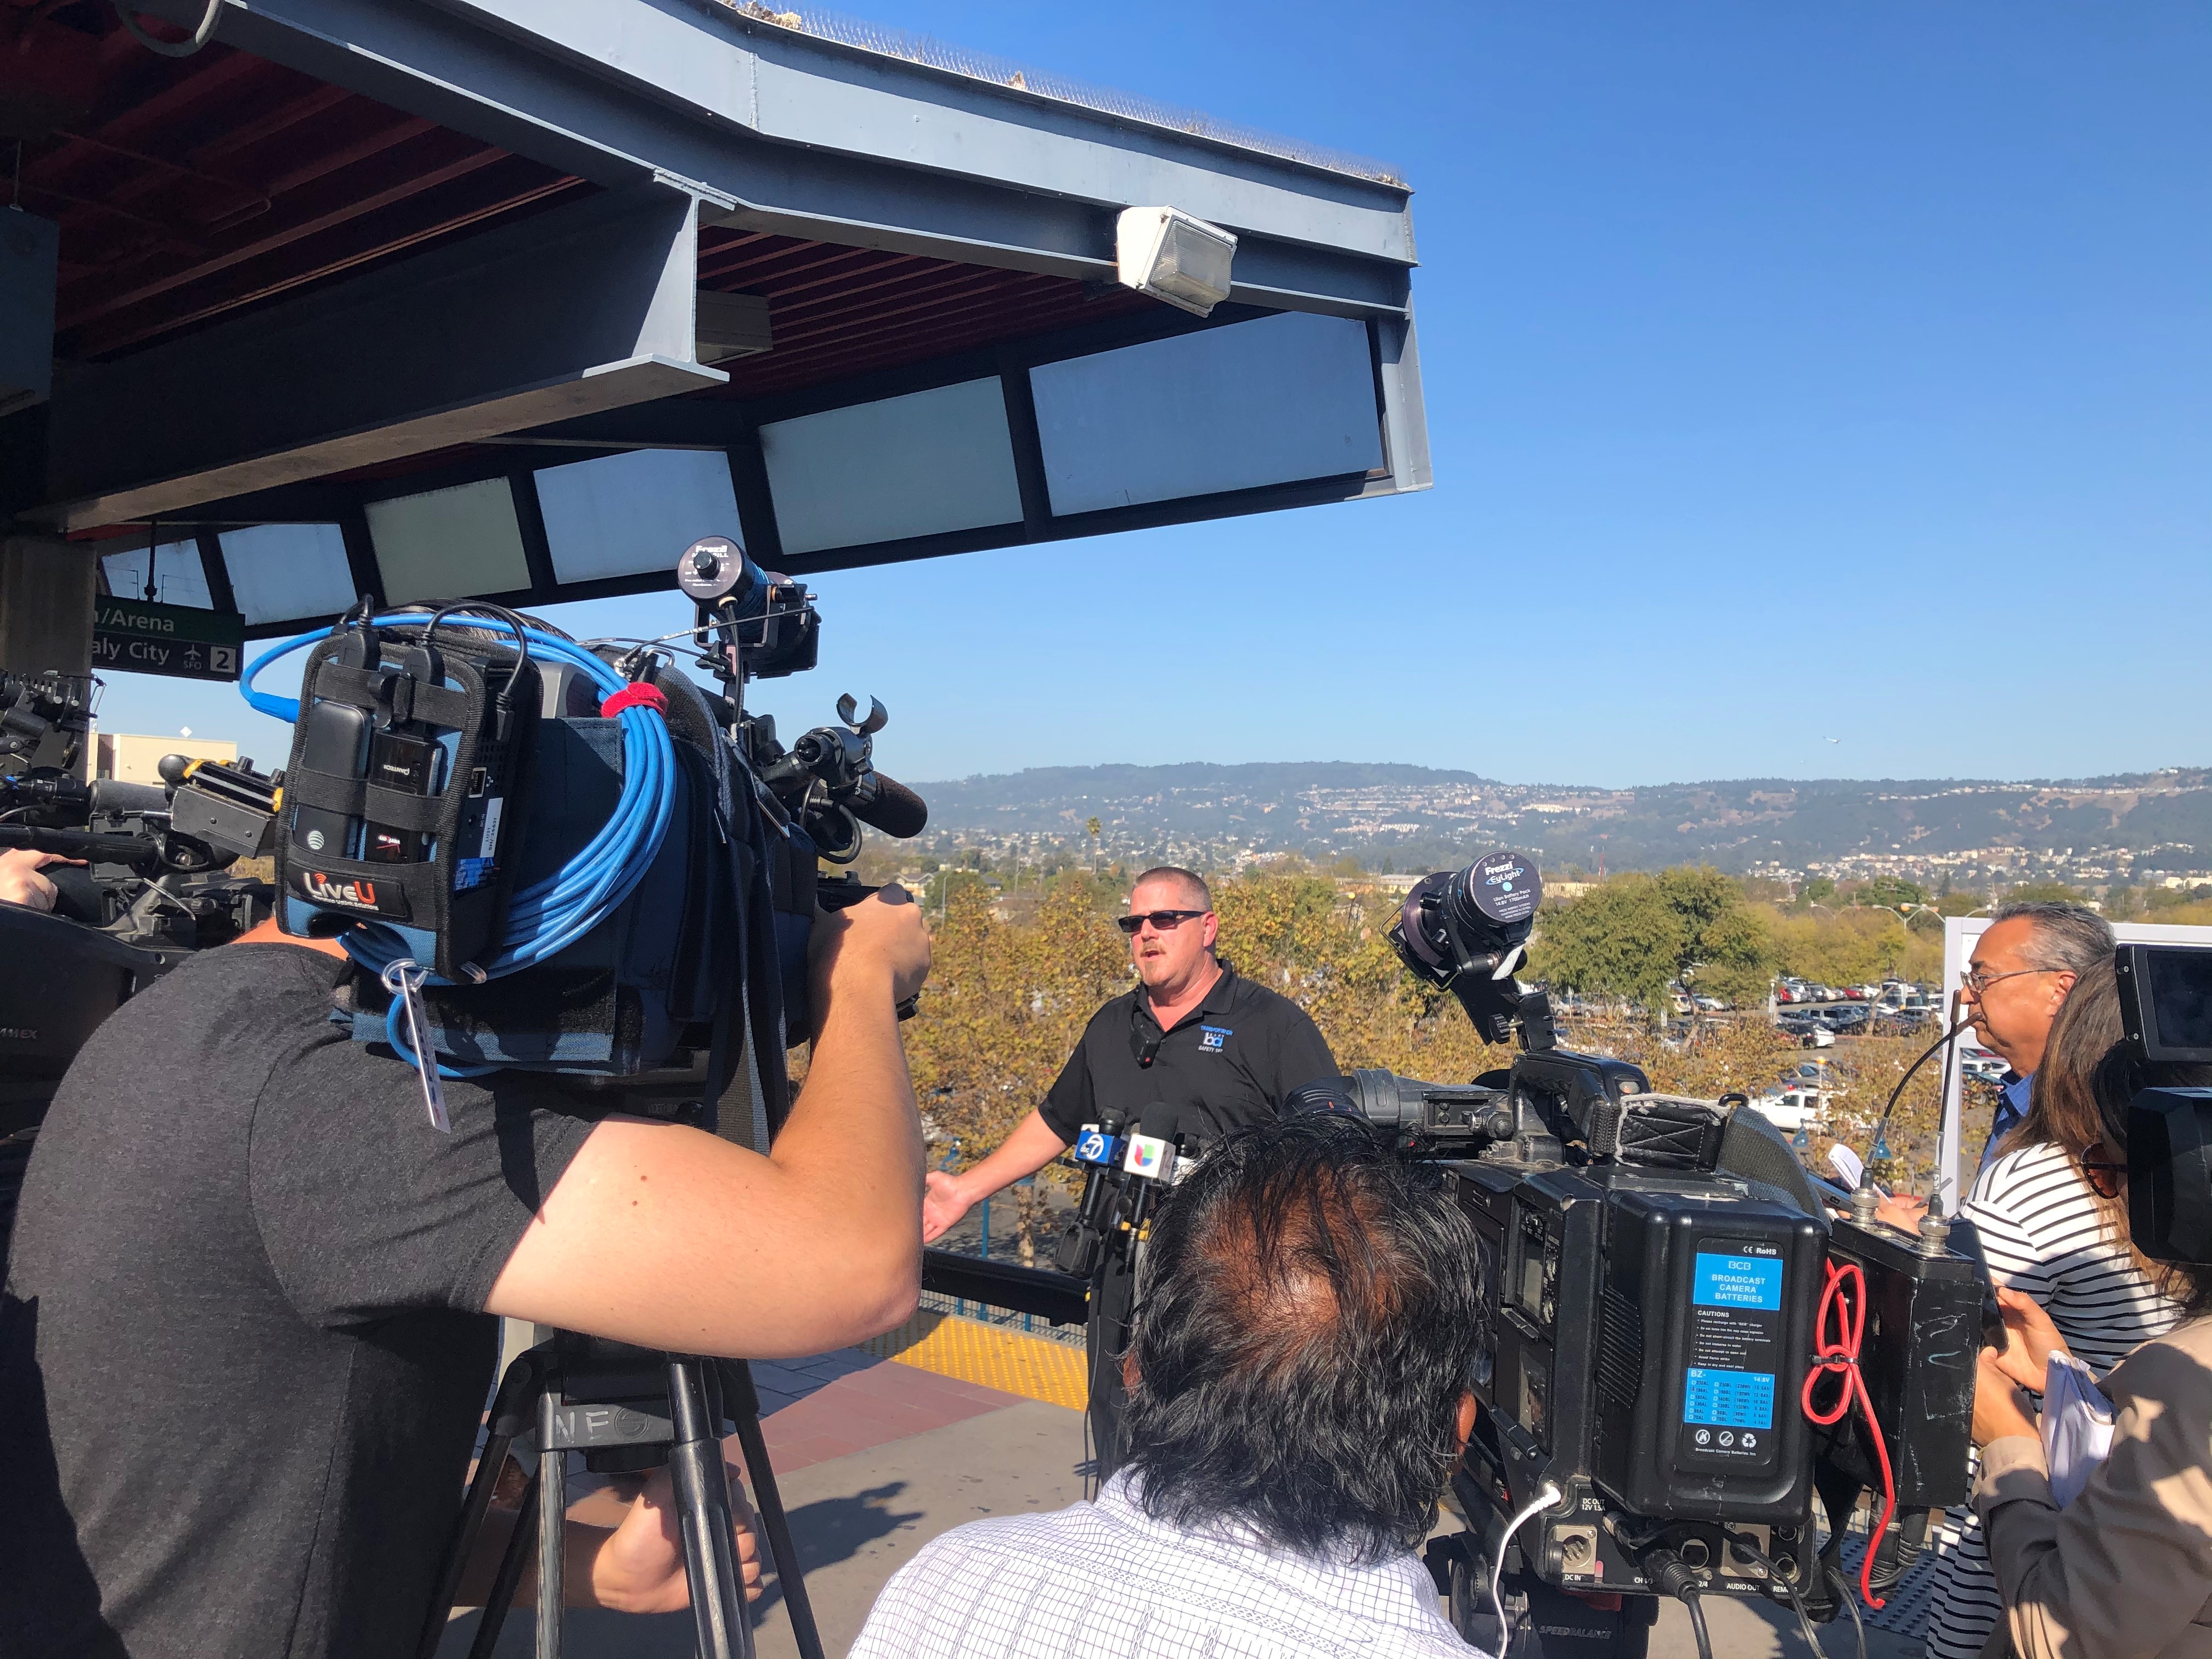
(1793,372)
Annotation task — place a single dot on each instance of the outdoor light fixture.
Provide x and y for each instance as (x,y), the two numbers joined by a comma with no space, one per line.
(1166,253)
(730,325)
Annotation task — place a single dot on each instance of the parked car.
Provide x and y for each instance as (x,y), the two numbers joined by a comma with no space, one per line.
(1981,1063)
(1791,1109)
(1712,1004)
(1809,1032)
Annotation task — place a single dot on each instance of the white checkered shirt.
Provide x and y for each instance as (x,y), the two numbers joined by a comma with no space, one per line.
(1105,1581)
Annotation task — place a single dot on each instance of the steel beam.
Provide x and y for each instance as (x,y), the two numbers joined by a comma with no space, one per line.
(1404,418)
(578,310)
(810,138)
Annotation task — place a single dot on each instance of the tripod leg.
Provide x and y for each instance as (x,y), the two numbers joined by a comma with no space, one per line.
(510,1574)
(703,1497)
(552,1530)
(744,1407)
(510,1416)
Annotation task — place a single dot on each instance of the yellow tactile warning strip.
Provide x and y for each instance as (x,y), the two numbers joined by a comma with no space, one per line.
(991,1355)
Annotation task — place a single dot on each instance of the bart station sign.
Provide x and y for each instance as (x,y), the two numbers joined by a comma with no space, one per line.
(138,637)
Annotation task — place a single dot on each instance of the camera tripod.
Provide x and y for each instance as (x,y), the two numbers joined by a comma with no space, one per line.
(626,1409)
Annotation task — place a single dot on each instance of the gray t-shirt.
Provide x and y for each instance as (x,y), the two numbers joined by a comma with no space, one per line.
(242,1351)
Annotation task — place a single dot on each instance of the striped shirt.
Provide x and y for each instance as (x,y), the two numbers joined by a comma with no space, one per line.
(2042,1231)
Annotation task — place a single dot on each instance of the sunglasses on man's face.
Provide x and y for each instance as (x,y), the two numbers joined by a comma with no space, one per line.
(1161,921)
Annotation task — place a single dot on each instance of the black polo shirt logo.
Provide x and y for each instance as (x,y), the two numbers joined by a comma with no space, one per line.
(1210,1037)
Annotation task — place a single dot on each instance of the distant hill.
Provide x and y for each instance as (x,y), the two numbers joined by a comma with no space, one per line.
(1416,817)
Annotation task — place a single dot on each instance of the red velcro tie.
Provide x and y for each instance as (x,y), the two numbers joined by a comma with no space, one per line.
(639,696)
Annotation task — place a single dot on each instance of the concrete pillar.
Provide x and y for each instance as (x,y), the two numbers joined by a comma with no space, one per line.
(46,593)
(46,590)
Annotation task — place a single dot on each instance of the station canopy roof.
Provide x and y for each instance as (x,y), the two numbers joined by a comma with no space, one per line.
(515,299)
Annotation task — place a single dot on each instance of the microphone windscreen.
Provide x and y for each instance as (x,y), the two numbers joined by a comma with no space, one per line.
(1160,1121)
(896,811)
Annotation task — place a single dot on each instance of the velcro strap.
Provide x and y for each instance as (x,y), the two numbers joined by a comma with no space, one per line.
(638,695)
(336,683)
(357,798)
(397,809)
(437,705)
(327,790)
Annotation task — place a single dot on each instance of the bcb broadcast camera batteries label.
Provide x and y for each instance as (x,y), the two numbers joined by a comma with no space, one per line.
(1735,1354)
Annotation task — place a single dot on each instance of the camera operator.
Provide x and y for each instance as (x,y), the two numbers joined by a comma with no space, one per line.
(2125,1569)
(246,1341)
(1298,1398)
(1195,1036)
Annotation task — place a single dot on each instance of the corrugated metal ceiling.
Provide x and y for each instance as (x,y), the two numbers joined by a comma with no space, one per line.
(190,190)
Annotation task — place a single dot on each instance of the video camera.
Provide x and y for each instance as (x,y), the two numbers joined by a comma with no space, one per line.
(569,857)
(1660,1279)
(155,886)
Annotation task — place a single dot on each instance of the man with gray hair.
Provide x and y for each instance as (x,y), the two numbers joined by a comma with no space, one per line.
(2024,965)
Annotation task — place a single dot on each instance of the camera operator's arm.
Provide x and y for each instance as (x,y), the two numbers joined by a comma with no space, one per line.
(1034,1144)
(668,1238)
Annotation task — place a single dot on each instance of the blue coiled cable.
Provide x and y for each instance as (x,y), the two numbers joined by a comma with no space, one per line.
(549,916)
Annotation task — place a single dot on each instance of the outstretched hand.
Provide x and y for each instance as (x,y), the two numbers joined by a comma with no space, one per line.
(943,1204)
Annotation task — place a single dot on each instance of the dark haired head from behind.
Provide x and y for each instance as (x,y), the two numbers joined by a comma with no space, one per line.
(1304,1333)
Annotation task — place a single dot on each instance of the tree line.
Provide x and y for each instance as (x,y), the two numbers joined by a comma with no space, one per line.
(1013,985)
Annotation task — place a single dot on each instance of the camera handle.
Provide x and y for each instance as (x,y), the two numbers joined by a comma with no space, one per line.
(632,1410)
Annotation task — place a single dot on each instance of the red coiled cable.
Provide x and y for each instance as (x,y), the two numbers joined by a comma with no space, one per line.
(1841,1355)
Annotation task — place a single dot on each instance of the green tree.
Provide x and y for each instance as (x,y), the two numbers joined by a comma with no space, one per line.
(1636,934)
(1815,889)
(1960,904)
(1889,890)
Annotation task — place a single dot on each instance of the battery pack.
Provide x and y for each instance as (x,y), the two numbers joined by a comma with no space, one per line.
(411,745)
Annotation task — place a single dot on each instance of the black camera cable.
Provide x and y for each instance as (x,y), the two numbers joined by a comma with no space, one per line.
(1671,1576)
(1740,1545)
(1842,1588)
(1691,1600)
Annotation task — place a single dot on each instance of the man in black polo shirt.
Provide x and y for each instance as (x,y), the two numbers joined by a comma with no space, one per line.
(1222,1050)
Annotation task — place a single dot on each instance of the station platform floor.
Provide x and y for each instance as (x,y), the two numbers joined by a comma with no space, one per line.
(876,1453)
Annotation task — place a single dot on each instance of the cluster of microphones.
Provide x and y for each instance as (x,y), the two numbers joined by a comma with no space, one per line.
(1125,1170)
